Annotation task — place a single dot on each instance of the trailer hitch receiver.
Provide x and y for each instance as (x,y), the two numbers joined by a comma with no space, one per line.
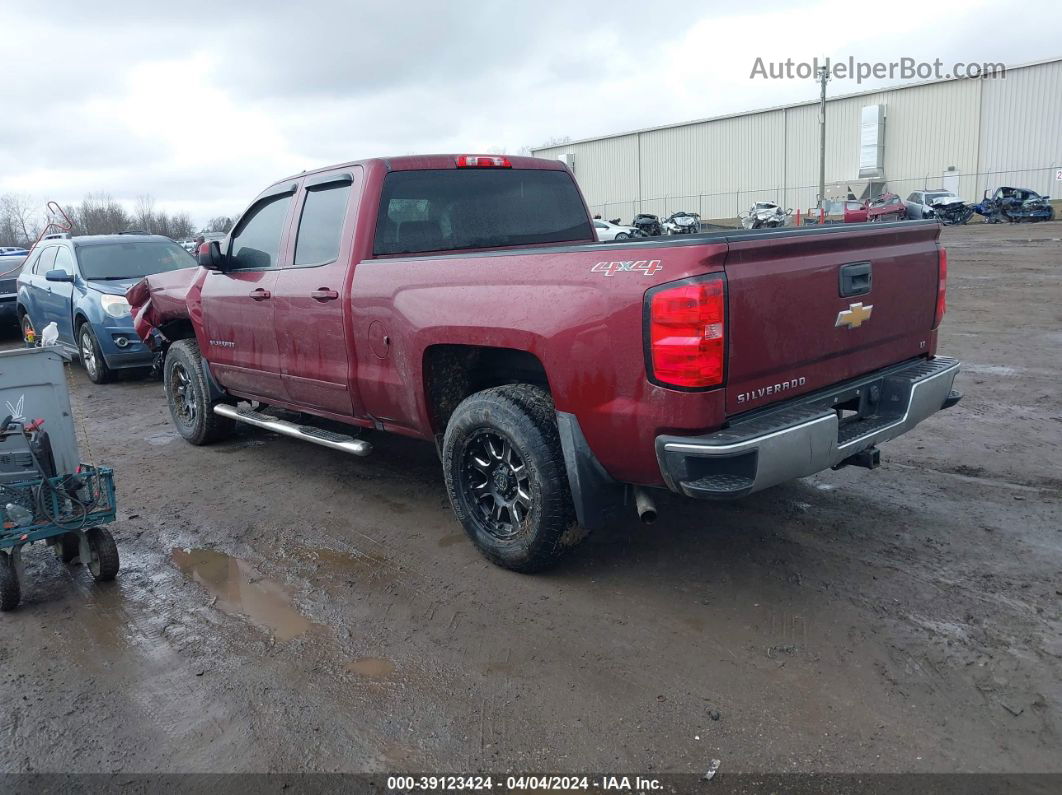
(868,459)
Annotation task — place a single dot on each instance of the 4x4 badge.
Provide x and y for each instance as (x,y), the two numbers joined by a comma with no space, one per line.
(854,315)
(642,266)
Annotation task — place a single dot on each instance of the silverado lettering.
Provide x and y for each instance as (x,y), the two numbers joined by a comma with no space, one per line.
(447,298)
(744,397)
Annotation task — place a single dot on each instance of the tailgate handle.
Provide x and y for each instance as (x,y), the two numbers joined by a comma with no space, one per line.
(855,279)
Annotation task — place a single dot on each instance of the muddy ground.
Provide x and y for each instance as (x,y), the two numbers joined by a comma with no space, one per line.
(282,607)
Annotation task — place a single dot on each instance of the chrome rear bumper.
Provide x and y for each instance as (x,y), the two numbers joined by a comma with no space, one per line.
(806,435)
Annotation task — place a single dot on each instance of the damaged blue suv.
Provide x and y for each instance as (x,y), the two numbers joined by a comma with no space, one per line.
(79,283)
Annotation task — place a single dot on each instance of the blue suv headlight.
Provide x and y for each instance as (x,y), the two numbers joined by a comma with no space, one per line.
(115,305)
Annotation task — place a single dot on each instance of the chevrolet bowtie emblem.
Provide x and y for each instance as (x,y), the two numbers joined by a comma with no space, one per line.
(854,315)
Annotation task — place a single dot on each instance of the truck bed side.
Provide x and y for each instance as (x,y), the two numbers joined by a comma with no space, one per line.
(583,321)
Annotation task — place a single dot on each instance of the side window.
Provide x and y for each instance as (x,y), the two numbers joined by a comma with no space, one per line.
(321,224)
(64,260)
(599,225)
(257,244)
(47,261)
(30,265)
(914,198)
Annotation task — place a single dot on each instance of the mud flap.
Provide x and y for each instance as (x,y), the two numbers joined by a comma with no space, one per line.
(597,497)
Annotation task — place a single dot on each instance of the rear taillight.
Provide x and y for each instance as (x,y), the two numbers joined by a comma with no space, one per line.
(483,161)
(942,286)
(687,334)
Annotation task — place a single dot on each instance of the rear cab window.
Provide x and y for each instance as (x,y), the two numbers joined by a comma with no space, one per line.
(453,209)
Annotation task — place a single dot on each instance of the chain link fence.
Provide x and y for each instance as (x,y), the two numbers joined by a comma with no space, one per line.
(726,207)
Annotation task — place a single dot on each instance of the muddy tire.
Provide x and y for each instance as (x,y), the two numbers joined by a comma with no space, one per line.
(92,360)
(67,547)
(103,561)
(188,396)
(506,479)
(10,591)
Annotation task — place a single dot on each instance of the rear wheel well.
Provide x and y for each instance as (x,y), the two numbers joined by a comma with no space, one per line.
(453,372)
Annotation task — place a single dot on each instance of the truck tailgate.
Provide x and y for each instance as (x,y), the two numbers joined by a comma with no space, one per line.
(803,315)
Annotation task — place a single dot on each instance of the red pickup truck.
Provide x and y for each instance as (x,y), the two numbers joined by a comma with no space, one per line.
(463,300)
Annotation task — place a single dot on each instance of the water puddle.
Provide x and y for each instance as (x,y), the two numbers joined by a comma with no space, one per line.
(240,590)
(371,667)
(161,438)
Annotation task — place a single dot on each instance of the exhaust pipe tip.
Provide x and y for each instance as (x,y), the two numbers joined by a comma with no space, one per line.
(644,505)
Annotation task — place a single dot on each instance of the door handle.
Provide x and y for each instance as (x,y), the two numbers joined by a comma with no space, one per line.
(260,294)
(324,294)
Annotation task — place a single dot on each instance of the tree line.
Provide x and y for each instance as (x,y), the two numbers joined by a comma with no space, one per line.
(22,220)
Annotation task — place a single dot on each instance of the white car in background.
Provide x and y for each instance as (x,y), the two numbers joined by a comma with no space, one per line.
(607,231)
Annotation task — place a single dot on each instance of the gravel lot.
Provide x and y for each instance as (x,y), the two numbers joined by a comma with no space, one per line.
(283,607)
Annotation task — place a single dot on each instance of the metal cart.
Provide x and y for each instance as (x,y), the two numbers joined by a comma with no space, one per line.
(67,513)
(46,494)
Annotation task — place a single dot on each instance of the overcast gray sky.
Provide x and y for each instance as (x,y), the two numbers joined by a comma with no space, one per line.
(202,104)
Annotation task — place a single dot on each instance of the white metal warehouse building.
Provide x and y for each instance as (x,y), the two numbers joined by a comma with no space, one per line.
(965,134)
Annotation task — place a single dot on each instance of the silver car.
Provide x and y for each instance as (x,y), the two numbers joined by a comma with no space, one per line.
(920,203)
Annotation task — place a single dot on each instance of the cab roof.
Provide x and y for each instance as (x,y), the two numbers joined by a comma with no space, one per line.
(421,162)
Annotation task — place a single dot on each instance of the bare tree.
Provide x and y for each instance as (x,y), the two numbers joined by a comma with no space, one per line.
(181,226)
(221,223)
(144,215)
(19,223)
(73,213)
(100,214)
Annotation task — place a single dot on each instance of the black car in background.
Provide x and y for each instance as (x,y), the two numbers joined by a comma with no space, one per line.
(649,224)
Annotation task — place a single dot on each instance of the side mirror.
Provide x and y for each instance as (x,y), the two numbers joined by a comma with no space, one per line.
(210,255)
(59,275)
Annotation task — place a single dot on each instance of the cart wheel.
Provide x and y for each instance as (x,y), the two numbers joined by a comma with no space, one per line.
(10,592)
(66,547)
(103,562)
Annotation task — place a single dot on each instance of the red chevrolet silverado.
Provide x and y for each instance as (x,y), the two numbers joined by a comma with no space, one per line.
(464,300)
